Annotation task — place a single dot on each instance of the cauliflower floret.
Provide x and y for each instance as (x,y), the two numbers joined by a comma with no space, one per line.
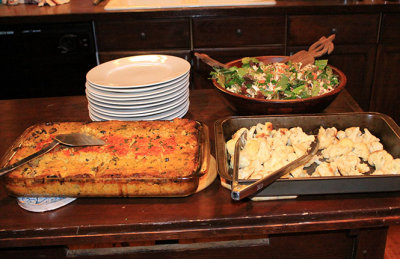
(374,146)
(348,164)
(299,172)
(363,168)
(368,137)
(280,137)
(354,134)
(297,135)
(361,150)
(300,141)
(326,137)
(326,169)
(249,152)
(314,159)
(264,151)
(300,148)
(379,159)
(263,130)
(230,144)
(343,147)
(393,167)
(341,134)
(372,142)
(247,171)
(279,158)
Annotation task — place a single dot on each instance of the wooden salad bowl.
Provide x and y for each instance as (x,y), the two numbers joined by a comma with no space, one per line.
(247,105)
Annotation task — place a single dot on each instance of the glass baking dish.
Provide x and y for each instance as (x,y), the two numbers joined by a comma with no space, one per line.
(382,126)
(110,186)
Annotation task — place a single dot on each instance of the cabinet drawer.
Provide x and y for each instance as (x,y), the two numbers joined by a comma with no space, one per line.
(238,31)
(390,28)
(143,35)
(349,29)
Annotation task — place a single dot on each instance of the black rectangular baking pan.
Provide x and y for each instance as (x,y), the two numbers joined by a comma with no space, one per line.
(382,126)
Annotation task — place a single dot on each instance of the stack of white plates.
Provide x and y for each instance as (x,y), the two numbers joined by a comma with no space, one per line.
(145,87)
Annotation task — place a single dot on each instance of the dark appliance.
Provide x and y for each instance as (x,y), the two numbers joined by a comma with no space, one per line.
(43,60)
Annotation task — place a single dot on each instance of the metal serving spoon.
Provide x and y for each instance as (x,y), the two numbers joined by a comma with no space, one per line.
(72,140)
(240,192)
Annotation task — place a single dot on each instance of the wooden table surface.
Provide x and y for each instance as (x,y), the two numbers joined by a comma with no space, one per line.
(209,213)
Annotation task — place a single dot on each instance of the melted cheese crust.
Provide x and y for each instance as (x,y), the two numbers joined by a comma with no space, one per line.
(133,149)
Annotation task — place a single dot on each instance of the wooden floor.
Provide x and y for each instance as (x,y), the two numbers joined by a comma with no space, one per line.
(392,250)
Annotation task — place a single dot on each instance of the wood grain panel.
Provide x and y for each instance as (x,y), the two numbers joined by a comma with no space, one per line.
(385,95)
(390,32)
(238,31)
(349,29)
(143,34)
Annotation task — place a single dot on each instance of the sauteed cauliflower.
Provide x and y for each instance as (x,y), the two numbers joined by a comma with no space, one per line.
(348,152)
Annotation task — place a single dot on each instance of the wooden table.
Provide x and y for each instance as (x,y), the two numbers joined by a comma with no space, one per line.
(207,224)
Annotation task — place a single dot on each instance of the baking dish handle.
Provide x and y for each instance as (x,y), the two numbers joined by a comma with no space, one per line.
(205,150)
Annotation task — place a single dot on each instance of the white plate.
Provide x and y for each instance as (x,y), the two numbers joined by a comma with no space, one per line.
(94,117)
(139,111)
(170,114)
(158,92)
(149,88)
(138,71)
(141,103)
(122,106)
(179,114)
(118,106)
(42,204)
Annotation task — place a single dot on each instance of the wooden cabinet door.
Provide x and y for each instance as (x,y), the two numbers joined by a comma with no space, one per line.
(349,29)
(232,32)
(136,35)
(357,62)
(386,87)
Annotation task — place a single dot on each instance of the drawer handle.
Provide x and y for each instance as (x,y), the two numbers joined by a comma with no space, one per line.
(142,36)
(239,32)
(333,30)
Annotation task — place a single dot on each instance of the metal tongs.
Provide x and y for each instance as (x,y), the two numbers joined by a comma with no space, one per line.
(240,192)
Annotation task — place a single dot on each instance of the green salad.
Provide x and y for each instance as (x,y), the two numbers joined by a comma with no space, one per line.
(279,81)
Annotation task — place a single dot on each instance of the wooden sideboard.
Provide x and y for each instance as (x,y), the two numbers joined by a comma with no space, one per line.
(366,44)
(208,224)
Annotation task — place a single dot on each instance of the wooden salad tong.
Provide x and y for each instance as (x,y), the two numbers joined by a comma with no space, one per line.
(317,49)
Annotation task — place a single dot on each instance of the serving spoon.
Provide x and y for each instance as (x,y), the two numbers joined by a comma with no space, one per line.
(72,140)
(317,49)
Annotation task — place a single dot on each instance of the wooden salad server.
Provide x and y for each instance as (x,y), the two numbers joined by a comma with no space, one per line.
(72,140)
(209,61)
(317,49)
